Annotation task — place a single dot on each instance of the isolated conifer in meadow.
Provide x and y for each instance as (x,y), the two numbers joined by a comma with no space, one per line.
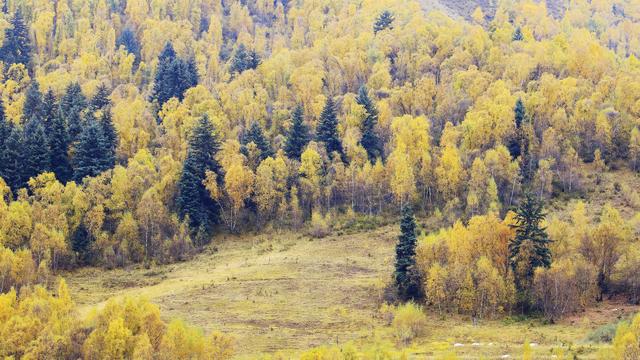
(256,136)
(194,200)
(59,149)
(298,136)
(383,21)
(16,48)
(33,105)
(36,150)
(406,256)
(530,247)
(370,140)
(327,130)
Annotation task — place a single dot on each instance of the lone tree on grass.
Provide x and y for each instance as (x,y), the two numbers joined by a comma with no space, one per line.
(530,247)
(406,275)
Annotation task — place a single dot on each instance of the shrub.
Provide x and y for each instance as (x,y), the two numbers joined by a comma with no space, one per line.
(408,322)
(319,227)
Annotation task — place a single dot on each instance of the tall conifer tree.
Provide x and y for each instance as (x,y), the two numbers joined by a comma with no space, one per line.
(327,131)
(16,48)
(298,136)
(370,140)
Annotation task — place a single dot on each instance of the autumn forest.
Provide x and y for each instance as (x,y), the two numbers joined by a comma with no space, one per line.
(470,169)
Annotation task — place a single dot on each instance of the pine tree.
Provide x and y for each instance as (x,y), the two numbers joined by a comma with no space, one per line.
(517,35)
(194,200)
(101,100)
(405,271)
(530,247)
(36,151)
(16,48)
(370,140)
(33,105)
(128,39)
(244,59)
(89,152)
(516,141)
(327,131)
(59,149)
(384,21)
(298,136)
(13,159)
(256,136)
(173,76)
(109,138)
(5,132)
(50,109)
(72,105)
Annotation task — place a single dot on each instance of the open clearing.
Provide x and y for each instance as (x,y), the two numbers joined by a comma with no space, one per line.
(288,292)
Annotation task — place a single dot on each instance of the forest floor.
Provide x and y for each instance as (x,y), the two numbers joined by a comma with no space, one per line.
(284,291)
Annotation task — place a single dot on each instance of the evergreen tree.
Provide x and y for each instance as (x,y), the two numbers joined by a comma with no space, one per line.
(298,136)
(109,138)
(244,59)
(72,105)
(36,151)
(5,132)
(101,100)
(517,35)
(16,48)
(173,76)
(50,109)
(194,200)
(89,159)
(384,21)
(13,159)
(405,271)
(33,105)
(59,149)
(370,140)
(256,136)
(128,39)
(327,131)
(530,247)
(516,141)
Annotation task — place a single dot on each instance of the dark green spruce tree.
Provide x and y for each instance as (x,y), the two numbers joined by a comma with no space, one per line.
(128,39)
(50,109)
(5,131)
(370,140)
(173,76)
(327,130)
(36,150)
(384,21)
(72,106)
(100,100)
(194,200)
(109,138)
(89,157)
(298,136)
(517,34)
(516,140)
(244,59)
(59,149)
(16,48)
(13,159)
(406,274)
(33,105)
(529,249)
(255,134)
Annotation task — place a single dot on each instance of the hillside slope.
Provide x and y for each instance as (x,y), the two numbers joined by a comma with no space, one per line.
(464,9)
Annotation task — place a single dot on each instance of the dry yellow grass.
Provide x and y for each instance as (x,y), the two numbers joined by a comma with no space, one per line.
(288,292)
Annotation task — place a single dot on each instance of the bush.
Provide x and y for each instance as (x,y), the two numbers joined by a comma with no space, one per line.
(319,227)
(408,322)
